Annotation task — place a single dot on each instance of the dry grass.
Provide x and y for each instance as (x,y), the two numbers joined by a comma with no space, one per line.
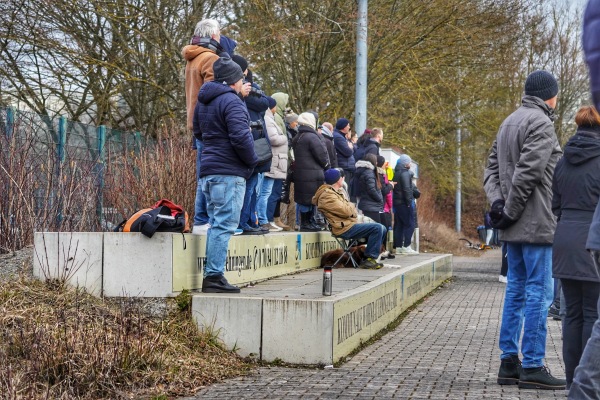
(62,343)
(435,235)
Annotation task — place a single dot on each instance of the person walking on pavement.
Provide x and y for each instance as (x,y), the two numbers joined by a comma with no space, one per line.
(586,382)
(576,190)
(517,182)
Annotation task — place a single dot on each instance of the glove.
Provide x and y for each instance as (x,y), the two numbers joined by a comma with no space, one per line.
(503,222)
(497,210)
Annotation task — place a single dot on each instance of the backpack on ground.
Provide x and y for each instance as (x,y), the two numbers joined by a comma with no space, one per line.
(164,216)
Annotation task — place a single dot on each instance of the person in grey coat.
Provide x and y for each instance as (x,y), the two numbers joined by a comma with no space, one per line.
(576,190)
(517,182)
(586,382)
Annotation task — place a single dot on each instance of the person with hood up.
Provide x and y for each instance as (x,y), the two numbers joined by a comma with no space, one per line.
(311,160)
(403,199)
(222,122)
(576,190)
(586,383)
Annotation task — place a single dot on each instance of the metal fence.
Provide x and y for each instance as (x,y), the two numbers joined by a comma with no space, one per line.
(58,169)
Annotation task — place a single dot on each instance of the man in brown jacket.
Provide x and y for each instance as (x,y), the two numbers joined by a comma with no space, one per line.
(341,215)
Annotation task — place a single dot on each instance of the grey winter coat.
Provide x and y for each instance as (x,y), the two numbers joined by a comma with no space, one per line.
(279,148)
(520,169)
(576,190)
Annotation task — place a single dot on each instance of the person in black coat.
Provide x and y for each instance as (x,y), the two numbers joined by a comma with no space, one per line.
(403,198)
(311,160)
(576,190)
(327,133)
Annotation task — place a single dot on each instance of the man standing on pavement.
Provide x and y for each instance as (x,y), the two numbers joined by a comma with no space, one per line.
(222,122)
(200,55)
(341,215)
(518,182)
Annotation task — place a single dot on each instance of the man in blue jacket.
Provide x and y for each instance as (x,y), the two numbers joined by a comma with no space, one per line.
(222,122)
(586,382)
(344,149)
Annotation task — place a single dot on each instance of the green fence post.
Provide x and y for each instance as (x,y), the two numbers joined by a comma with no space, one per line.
(10,122)
(101,136)
(60,155)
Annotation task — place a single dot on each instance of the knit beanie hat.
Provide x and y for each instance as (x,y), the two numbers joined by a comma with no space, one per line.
(272,102)
(341,124)
(541,84)
(291,118)
(226,71)
(332,176)
(307,119)
(241,61)
(404,159)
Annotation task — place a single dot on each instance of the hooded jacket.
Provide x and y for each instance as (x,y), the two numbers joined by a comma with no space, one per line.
(282,101)
(576,190)
(338,211)
(222,122)
(520,169)
(328,140)
(199,69)
(311,161)
(279,148)
(403,191)
(365,184)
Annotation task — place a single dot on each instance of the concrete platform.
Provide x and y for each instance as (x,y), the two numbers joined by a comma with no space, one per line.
(288,319)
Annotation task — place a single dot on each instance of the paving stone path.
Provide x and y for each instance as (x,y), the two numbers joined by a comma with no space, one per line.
(444,349)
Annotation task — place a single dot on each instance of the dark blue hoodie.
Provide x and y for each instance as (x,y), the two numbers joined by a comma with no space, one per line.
(222,122)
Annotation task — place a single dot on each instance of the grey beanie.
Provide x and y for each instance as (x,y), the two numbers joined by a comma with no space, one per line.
(293,117)
(541,84)
(227,71)
(404,159)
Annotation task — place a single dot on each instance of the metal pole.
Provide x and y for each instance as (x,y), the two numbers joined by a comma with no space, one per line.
(458,174)
(360,117)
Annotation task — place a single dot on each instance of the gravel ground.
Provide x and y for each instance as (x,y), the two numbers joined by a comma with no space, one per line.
(18,262)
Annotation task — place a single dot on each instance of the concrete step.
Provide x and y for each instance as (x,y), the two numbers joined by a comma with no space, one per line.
(287,318)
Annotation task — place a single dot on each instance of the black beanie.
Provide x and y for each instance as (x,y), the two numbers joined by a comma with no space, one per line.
(226,71)
(241,61)
(341,124)
(541,84)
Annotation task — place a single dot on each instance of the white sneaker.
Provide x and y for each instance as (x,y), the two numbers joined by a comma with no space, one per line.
(200,229)
(502,279)
(274,227)
(385,254)
(400,250)
(409,250)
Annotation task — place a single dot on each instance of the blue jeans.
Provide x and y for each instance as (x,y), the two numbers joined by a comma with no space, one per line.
(274,199)
(373,232)
(200,213)
(529,293)
(247,213)
(224,198)
(263,199)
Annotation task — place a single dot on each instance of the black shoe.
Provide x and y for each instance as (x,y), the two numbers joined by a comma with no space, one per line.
(249,230)
(510,371)
(309,228)
(554,312)
(540,378)
(218,284)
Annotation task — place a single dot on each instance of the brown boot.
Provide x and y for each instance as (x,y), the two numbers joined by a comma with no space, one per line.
(280,224)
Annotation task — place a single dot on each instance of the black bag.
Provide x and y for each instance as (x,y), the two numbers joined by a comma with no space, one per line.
(262,147)
(416,192)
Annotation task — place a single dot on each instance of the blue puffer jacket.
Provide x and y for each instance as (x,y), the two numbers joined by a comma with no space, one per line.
(345,154)
(222,122)
(591,46)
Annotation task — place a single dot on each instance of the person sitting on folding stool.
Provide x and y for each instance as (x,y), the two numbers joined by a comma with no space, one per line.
(341,215)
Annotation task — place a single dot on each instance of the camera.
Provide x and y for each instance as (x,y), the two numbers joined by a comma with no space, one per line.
(256,125)
(256,92)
